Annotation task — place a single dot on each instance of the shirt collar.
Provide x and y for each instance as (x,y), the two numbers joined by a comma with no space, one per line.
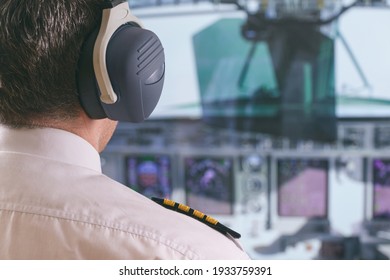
(54,144)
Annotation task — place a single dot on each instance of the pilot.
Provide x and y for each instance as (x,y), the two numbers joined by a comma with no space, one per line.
(55,203)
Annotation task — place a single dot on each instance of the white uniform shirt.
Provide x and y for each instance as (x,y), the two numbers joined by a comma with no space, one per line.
(56,204)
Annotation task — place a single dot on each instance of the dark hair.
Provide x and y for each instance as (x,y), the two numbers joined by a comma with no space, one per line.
(40,42)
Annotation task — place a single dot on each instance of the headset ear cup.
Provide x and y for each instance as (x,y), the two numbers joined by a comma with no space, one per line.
(89,93)
(136,67)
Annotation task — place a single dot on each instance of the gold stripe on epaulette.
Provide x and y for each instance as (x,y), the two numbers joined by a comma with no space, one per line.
(169,202)
(211,220)
(184,208)
(198,214)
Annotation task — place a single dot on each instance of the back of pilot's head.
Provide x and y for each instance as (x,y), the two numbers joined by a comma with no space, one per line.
(40,43)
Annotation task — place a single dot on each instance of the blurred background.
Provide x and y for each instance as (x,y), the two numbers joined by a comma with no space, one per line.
(274,119)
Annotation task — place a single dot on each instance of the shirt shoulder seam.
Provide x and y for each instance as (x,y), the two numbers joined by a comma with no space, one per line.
(113,228)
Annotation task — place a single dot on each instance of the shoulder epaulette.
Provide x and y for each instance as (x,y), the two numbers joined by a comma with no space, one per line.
(208,220)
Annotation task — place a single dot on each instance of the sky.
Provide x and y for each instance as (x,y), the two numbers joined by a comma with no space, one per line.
(365,30)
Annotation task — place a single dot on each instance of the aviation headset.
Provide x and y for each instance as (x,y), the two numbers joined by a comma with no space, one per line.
(121,67)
